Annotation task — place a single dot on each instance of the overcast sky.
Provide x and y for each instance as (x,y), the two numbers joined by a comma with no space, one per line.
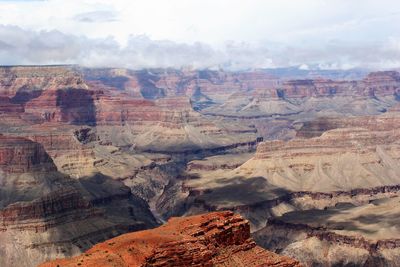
(232,34)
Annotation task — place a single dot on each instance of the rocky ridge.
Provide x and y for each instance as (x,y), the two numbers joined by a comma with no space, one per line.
(214,239)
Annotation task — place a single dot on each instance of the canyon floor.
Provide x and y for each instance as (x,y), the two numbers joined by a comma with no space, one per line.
(89,154)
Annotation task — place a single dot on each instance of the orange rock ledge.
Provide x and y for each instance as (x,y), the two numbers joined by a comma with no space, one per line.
(213,239)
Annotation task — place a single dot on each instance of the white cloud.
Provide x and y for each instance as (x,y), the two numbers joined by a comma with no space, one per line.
(204,33)
(96,16)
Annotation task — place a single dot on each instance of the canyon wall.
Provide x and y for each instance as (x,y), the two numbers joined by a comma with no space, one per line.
(38,204)
(88,154)
(346,234)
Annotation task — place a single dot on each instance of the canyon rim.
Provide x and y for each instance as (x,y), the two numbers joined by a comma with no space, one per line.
(188,133)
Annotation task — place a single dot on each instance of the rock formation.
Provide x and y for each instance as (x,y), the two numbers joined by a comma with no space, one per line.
(18,155)
(24,83)
(45,214)
(168,124)
(363,235)
(310,97)
(88,154)
(339,160)
(214,239)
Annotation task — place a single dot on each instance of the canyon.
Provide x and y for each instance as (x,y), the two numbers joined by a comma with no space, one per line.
(309,160)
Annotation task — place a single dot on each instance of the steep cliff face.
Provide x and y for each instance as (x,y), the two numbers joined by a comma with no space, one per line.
(19,155)
(38,204)
(70,105)
(214,239)
(53,93)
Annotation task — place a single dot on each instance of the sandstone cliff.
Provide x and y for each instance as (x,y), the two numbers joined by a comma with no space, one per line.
(214,239)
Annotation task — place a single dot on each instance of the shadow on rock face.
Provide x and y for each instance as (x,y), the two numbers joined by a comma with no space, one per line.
(243,191)
(116,82)
(69,217)
(77,106)
(25,94)
(116,199)
(147,85)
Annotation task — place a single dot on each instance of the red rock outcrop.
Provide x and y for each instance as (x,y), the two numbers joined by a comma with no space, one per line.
(214,239)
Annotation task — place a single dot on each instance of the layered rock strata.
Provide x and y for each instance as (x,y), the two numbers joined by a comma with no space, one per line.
(46,214)
(23,83)
(214,239)
(363,235)
(151,130)
(342,165)
(341,159)
(301,99)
